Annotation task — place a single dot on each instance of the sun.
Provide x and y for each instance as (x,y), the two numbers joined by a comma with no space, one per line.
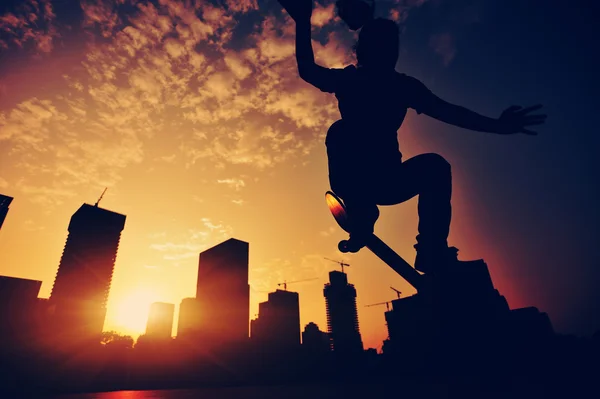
(131,312)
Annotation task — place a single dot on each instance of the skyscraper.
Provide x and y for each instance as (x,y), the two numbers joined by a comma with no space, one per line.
(4,203)
(342,316)
(189,318)
(18,310)
(278,323)
(160,321)
(82,283)
(223,293)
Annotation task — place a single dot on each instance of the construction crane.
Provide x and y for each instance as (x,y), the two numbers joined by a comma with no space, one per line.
(342,264)
(387,305)
(396,291)
(101,196)
(285,283)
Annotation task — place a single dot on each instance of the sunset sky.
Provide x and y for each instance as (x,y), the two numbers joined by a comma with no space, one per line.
(193,115)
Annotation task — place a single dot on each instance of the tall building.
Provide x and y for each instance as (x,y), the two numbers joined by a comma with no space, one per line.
(405,323)
(82,283)
(189,318)
(4,203)
(342,316)
(160,321)
(223,293)
(314,340)
(278,322)
(18,309)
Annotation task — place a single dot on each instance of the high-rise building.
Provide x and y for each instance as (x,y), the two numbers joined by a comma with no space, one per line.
(4,203)
(188,323)
(18,309)
(278,322)
(342,316)
(314,340)
(14,291)
(223,293)
(160,321)
(82,283)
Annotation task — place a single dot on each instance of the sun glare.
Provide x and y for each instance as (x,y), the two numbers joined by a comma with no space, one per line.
(131,313)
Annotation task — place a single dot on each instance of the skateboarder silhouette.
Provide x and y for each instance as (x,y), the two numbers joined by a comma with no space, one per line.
(365,164)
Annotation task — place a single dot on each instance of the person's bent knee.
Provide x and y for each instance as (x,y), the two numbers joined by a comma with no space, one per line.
(437,163)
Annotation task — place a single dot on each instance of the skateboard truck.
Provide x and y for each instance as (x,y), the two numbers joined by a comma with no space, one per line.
(374,243)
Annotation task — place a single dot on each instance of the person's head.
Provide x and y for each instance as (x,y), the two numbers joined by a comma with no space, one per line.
(378,44)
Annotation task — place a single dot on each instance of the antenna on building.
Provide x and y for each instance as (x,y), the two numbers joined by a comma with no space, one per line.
(101,196)
(285,283)
(342,264)
(396,291)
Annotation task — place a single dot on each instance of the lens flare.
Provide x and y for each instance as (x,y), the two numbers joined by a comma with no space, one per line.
(133,309)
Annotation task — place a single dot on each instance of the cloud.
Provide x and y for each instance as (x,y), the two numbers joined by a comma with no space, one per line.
(3,183)
(237,65)
(236,184)
(322,15)
(219,229)
(177,251)
(30,225)
(328,232)
(46,195)
(190,244)
(400,9)
(170,67)
(102,14)
(33,21)
(242,5)
(443,44)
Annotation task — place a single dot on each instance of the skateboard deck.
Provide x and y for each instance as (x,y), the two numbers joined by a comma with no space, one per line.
(374,243)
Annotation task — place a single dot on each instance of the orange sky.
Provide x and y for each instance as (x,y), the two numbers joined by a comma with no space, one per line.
(199,136)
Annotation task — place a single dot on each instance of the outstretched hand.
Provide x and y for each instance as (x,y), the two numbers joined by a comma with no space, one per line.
(517,119)
(299,10)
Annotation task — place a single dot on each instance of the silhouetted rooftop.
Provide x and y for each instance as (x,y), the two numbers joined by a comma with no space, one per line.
(226,244)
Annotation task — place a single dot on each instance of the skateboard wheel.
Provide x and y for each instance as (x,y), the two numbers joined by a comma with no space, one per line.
(343,246)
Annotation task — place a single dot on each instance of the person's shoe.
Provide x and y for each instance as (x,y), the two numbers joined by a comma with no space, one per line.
(357,241)
(431,260)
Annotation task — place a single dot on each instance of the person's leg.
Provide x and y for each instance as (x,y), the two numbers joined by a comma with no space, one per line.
(362,213)
(351,182)
(359,203)
(428,176)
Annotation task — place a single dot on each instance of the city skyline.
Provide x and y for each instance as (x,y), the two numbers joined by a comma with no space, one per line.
(195,119)
(86,223)
(175,322)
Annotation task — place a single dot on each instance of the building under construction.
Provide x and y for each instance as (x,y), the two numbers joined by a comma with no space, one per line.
(80,291)
(342,315)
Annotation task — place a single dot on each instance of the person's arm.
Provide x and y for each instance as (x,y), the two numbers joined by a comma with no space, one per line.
(322,78)
(307,67)
(513,120)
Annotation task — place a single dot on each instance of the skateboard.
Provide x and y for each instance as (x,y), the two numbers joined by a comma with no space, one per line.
(374,243)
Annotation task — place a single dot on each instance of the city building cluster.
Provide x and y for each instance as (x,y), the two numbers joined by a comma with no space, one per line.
(218,316)
(456,324)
